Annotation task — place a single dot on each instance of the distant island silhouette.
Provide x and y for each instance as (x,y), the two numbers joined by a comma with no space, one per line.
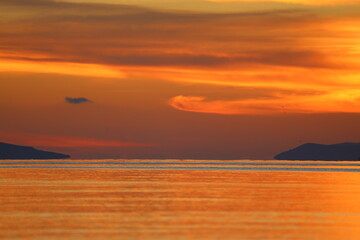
(11,151)
(314,151)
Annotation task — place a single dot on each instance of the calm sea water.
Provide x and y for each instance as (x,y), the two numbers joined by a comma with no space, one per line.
(179,199)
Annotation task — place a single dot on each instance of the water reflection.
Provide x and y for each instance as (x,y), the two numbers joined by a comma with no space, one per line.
(178,204)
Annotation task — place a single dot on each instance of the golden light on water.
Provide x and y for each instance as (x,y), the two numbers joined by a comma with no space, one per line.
(176,204)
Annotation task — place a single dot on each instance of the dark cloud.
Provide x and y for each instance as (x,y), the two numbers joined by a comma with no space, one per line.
(77,100)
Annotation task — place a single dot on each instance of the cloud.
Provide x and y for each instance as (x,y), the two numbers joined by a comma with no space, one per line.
(346,101)
(77,100)
(304,2)
(121,35)
(55,66)
(44,140)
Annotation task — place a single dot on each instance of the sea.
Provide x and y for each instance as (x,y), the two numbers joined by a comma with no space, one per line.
(179,199)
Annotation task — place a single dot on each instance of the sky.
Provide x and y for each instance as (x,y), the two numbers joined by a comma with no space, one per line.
(187,79)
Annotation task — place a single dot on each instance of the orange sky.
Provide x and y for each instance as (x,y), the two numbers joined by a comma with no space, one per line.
(180,79)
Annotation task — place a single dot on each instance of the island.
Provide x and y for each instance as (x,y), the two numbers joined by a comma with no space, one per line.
(314,151)
(11,151)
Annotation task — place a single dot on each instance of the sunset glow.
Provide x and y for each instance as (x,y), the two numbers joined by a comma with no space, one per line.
(152,69)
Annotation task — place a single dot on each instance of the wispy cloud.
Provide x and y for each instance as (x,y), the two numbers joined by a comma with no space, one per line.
(305,2)
(43,65)
(336,102)
(44,140)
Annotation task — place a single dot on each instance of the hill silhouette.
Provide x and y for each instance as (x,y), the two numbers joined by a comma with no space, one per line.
(11,151)
(314,151)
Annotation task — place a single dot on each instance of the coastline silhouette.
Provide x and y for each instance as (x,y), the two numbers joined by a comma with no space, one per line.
(314,151)
(11,151)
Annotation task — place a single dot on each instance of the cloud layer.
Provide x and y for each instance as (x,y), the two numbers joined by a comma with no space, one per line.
(299,49)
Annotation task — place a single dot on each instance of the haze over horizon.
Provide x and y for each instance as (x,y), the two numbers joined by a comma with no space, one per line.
(198,79)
